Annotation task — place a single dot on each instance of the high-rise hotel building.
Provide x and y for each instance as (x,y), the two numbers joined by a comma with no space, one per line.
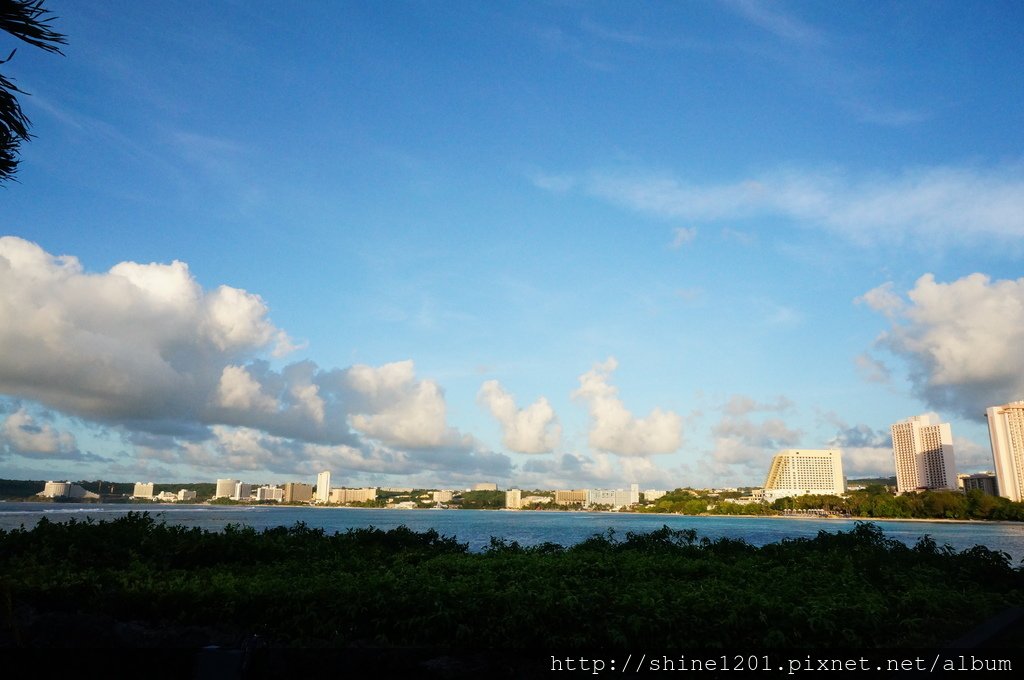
(1006,431)
(796,472)
(323,487)
(923,452)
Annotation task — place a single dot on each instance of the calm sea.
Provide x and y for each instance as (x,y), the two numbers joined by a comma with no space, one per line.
(476,527)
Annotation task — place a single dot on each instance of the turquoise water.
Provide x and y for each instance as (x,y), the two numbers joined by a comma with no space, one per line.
(476,527)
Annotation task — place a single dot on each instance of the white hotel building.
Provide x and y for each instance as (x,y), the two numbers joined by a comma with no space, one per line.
(798,472)
(1006,431)
(923,452)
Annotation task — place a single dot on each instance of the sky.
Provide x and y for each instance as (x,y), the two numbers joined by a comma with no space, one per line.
(544,244)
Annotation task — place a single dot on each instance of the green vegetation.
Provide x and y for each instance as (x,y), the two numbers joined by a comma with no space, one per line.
(479,500)
(877,502)
(400,588)
(17,489)
(691,502)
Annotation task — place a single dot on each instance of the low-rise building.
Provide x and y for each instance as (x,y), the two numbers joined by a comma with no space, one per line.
(485,486)
(983,481)
(342,496)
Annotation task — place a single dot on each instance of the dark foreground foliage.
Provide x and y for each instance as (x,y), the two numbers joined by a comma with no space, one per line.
(373,588)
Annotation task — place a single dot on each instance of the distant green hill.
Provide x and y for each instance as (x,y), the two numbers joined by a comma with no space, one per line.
(16,489)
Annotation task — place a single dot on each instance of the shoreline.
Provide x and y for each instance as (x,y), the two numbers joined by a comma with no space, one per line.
(156,507)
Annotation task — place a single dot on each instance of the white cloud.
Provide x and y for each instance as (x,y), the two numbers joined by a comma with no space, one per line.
(944,204)
(742,446)
(971,456)
(534,429)
(682,236)
(769,17)
(871,369)
(399,410)
(962,341)
(741,404)
(614,429)
(868,461)
(140,342)
(239,390)
(883,299)
(21,434)
(145,348)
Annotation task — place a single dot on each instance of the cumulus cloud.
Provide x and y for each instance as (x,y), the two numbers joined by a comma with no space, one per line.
(395,408)
(23,435)
(743,442)
(943,203)
(961,341)
(867,452)
(534,429)
(614,429)
(868,461)
(139,342)
(145,348)
(972,456)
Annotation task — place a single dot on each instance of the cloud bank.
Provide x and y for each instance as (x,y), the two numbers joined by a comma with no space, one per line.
(144,348)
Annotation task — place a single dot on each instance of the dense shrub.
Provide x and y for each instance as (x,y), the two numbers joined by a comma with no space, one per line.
(298,585)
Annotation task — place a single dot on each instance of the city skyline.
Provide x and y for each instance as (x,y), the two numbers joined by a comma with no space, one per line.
(551,245)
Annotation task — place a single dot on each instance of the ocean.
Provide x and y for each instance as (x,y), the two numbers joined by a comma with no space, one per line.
(476,527)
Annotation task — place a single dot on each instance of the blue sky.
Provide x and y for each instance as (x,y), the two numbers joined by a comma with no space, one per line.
(544,244)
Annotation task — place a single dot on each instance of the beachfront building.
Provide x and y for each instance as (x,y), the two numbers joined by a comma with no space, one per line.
(323,487)
(295,492)
(614,498)
(513,499)
(982,481)
(799,472)
(442,496)
(923,452)
(66,490)
(573,497)
(1006,432)
(143,490)
(653,494)
(342,496)
(225,488)
(242,492)
(186,495)
(270,493)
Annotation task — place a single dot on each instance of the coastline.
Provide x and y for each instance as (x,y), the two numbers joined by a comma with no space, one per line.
(155,507)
